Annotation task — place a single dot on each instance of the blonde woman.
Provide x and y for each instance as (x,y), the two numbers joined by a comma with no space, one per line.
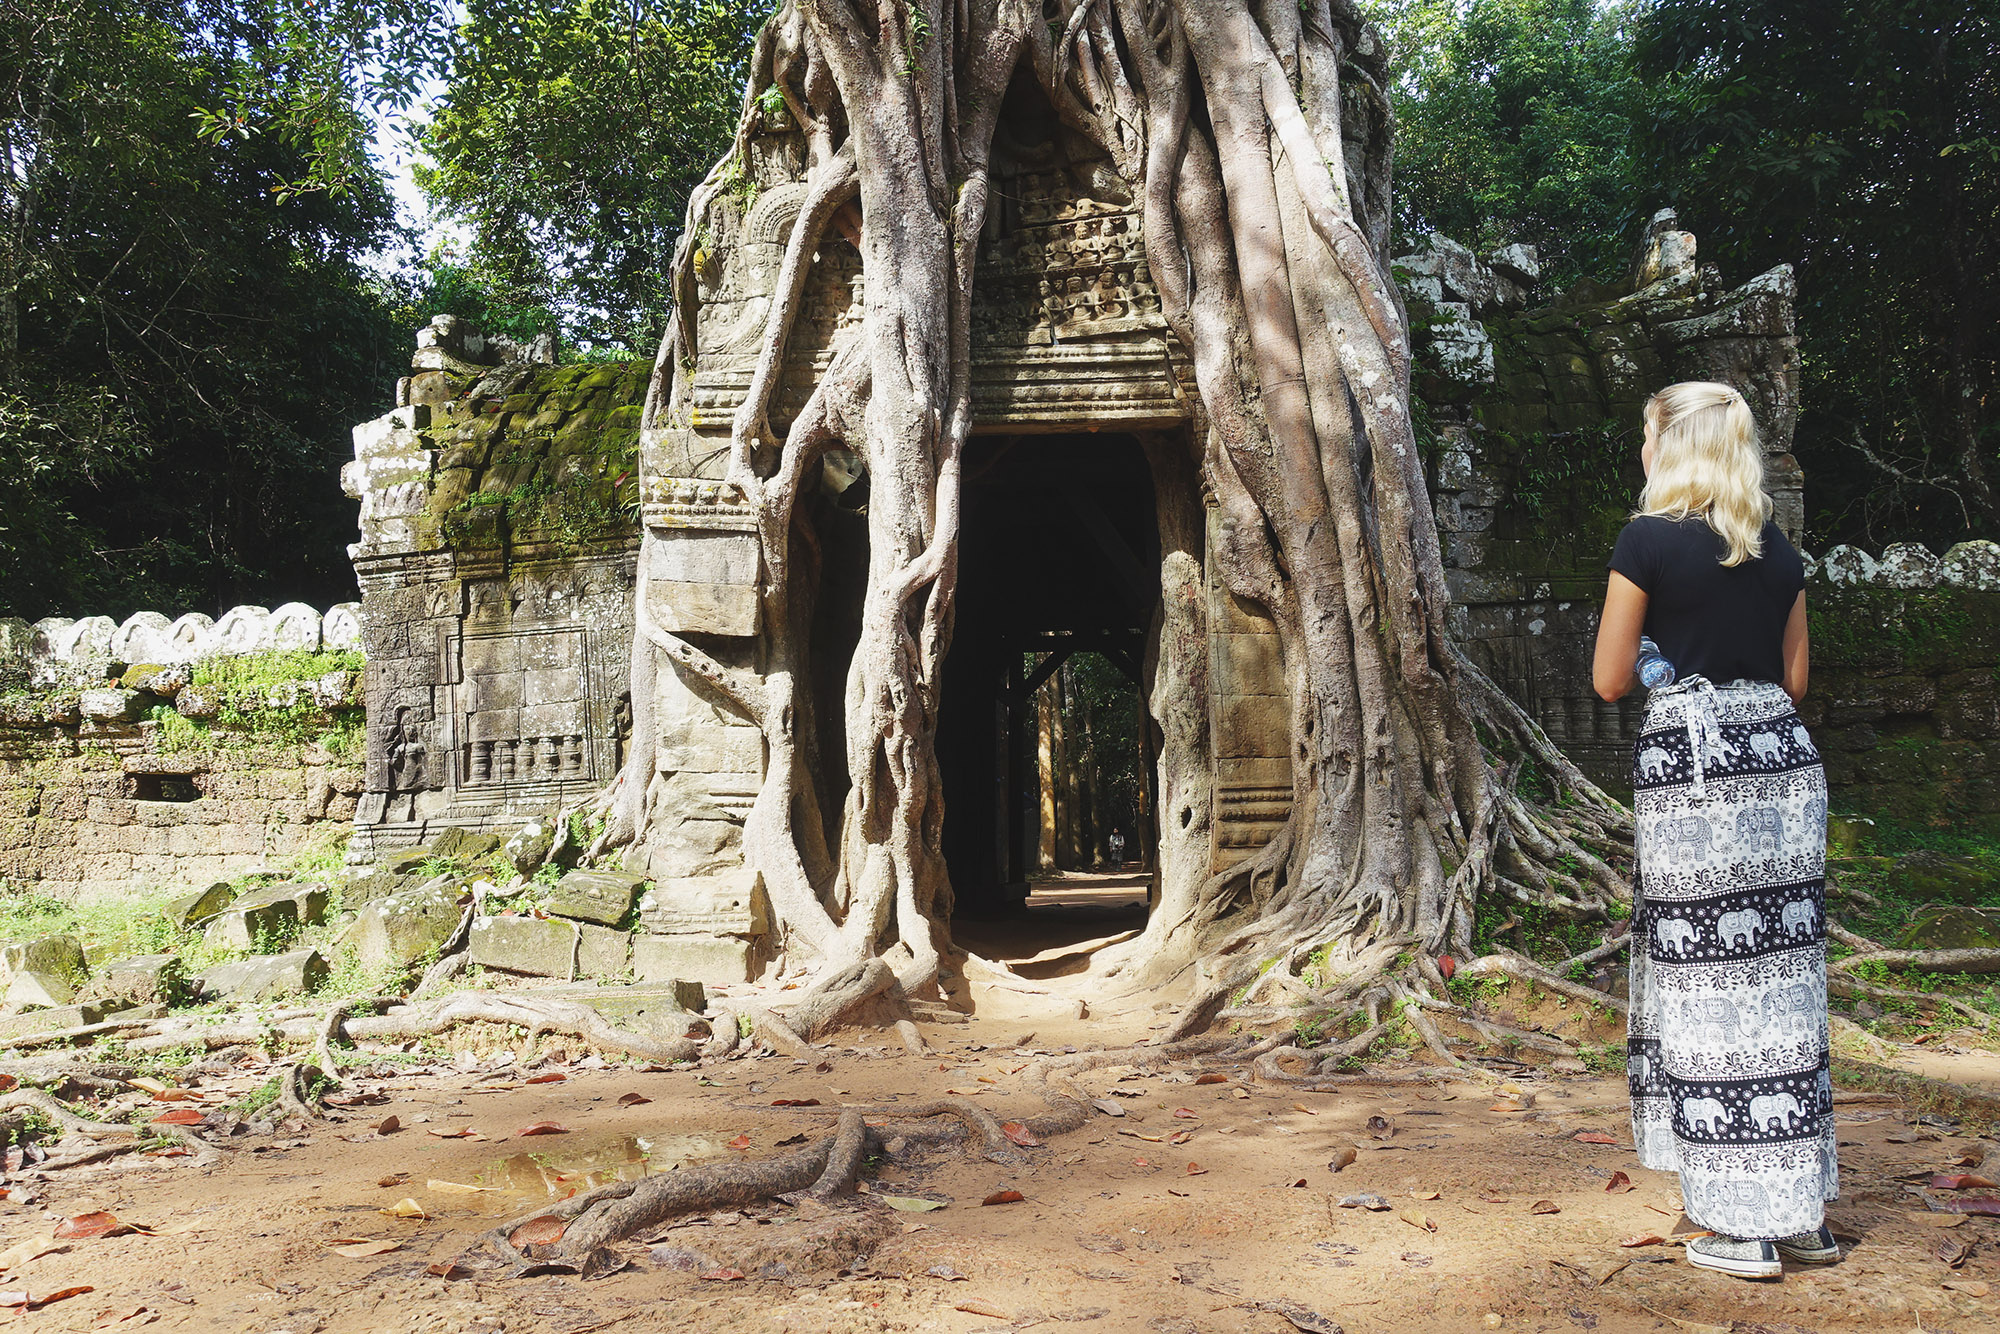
(1727,1046)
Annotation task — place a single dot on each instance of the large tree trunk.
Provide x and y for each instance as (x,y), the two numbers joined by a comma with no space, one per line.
(1257,136)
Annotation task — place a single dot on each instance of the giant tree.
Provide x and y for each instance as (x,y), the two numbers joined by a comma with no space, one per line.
(1258,138)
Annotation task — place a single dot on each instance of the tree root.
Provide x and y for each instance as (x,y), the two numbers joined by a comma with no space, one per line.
(1930,961)
(1523,969)
(295,1095)
(1852,988)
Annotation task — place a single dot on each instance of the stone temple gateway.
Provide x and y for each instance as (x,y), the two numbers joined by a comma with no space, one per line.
(518,535)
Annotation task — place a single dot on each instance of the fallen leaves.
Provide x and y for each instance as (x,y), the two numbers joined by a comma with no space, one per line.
(1108,1107)
(795,1102)
(1643,1239)
(1020,1134)
(543,1230)
(554,1077)
(545,1128)
(28,1303)
(912,1204)
(185,1116)
(84,1227)
(982,1308)
(456,1188)
(33,1248)
(740,1143)
(1594,1137)
(1381,1127)
(1983,1206)
(1196,1170)
(406,1208)
(1423,1194)
(1418,1219)
(448,1270)
(1961,1181)
(633,1099)
(1187,1114)
(388,1125)
(721,1275)
(463,1132)
(1211,1079)
(355,1248)
(1544,1207)
(1343,1158)
(1371,1202)
(1971,1287)
(1004,1197)
(1619,1184)
(1951,1251)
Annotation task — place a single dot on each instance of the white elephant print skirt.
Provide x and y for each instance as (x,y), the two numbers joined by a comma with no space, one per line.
(1727,1049)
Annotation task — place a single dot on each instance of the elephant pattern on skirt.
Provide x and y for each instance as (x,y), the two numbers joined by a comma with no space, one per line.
(1727,1052)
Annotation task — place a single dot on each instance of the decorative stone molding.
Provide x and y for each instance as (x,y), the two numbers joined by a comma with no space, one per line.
(56,651)
(1910,565)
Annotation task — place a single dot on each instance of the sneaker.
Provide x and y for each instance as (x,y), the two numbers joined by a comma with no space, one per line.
(1742,1259)
(1811,1248)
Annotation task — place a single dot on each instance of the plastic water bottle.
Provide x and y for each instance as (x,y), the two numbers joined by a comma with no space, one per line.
(1654,669)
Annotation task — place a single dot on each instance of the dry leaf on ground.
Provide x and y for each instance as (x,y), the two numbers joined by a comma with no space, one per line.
(632,1099)
(1619,1183)
(1545,1207)
(405,1208)
(1971,1287)
(354,1248)
(1417,1218)
(456,1188)
(1207,1079)
(86,1226)
(545,1230)
(551,1078)
(1643,1239)
(182,1117)
(1343,1157)
(1020,1135)
(544,1128)
(982,1308)
(1594,1137)
(909,1203)
(1003,1197)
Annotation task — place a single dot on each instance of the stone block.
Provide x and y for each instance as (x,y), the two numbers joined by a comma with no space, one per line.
(146,979)
(714,959)
(52,1020)
(543,947)
(109,705)
(603,897)
(59,956)
(731,903)
(662,1010)
(602,951)
(267,915)
(263,978)
(1937,878)
(398,929)
(529,846)
(31,989)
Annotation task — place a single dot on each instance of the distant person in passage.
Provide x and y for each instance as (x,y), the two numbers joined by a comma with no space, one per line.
(1117,845)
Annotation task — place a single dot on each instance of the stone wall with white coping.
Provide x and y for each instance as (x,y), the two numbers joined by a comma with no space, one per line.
(1905,690)
(57,651)
(118,771)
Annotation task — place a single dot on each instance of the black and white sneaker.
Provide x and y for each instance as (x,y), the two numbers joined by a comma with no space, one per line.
(1810,1248)
(1740,1259)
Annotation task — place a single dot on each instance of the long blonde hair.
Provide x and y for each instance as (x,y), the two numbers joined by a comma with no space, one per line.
(1706,464)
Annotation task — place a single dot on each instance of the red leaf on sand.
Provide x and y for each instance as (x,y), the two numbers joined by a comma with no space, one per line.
(448,1269)
(1003,1197)
(1211,1079)
(632,1099)
(1545,1207)
(1643,1239)
(1961,1181)
(1187,1114)
(1196,1170)
(1619,1183)
(722,1275)
(27,1302)
(84,1226)
(551,1078)
(543,1231)
(184,1117)
(740,1142)
(1447,966)
(795,1102)
(463,1132)
(1593,1137)
(388,1125)
(1984,1205)
(543,1128)
(8,1083)
(1020,1135)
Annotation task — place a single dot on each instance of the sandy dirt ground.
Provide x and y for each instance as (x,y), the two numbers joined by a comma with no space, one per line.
(1205,1207)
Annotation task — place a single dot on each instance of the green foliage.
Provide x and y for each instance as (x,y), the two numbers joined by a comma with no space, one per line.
(1859,142)
(1514,120)
(184,341)
(568,139)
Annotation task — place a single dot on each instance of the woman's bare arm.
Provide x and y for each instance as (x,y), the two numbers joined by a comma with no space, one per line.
(1618,630)
(1797,650)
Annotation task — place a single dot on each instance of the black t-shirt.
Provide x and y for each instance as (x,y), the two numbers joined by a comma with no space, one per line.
(1724,622)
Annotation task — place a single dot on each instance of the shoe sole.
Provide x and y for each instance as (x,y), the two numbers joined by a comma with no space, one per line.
(1736,1268)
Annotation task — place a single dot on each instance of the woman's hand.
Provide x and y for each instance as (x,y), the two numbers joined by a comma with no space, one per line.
(1797,650)
(1613,671)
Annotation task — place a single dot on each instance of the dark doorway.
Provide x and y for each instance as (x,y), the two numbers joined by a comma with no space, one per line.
(1058,578)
